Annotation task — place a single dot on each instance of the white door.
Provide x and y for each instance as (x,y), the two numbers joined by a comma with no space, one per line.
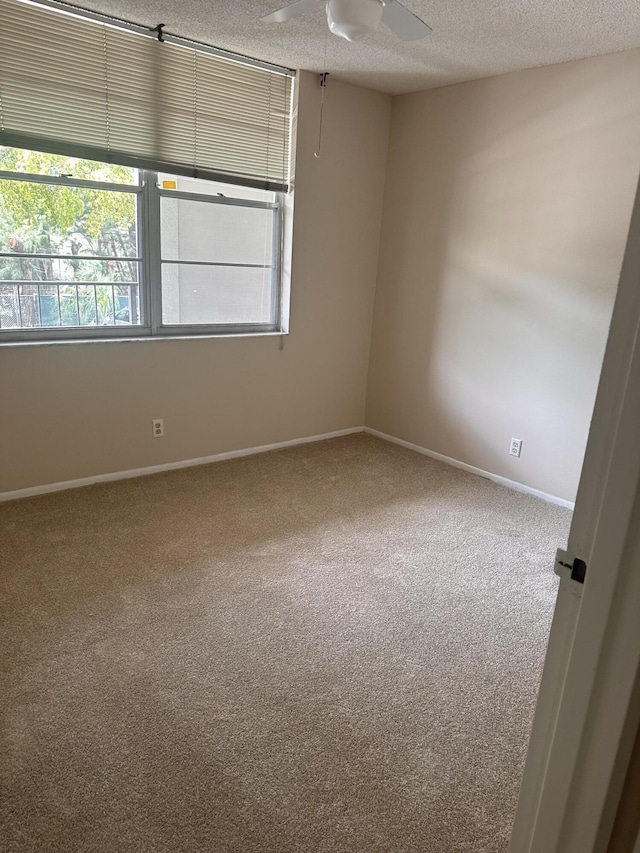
(587,707)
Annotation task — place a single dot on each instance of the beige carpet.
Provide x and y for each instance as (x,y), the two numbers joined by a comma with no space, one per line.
(329,648)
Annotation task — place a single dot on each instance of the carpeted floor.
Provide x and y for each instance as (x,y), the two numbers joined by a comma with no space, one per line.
(326,649)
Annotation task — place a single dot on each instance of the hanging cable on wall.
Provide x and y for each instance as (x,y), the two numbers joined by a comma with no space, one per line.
(323,85)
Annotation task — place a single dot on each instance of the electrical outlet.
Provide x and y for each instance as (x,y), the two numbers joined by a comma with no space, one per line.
(158,427)
(516,446)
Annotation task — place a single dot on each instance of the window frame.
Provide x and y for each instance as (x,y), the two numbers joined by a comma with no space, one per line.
(149,259)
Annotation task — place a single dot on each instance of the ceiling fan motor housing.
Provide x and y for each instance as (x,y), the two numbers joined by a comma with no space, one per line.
(354,19)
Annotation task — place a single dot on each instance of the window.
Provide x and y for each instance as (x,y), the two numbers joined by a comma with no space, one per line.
(219,252)
(142,180)
(90,249)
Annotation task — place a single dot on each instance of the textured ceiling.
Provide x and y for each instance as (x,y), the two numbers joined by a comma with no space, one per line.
(470,39)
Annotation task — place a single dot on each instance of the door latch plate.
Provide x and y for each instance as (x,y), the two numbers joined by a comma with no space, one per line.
(569,566)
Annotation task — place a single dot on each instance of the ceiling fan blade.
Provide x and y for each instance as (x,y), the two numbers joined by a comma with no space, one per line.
(403,22)
(295,10)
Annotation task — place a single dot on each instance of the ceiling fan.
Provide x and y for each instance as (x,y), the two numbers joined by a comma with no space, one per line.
(354,19)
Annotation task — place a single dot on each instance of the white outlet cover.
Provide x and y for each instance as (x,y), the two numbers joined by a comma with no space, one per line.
(516,447)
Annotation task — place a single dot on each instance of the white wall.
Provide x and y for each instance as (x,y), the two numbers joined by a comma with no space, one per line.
(505,215)
(75,410)
(506,211)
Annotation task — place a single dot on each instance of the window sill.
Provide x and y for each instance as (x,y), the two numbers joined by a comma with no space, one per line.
(142,339)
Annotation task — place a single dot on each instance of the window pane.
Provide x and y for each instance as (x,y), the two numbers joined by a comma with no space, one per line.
(39,163)
(195,185)
(65,220)
(197,295)
(202,231)
(46,305)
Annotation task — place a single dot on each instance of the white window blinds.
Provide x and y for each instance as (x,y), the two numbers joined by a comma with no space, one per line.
(89,89)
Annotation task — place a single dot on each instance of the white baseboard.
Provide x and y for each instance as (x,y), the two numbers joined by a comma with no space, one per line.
(265,448)
(169,466)
(510,484)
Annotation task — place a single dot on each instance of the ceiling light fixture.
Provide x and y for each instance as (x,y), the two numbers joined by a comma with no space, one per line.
(354,19)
